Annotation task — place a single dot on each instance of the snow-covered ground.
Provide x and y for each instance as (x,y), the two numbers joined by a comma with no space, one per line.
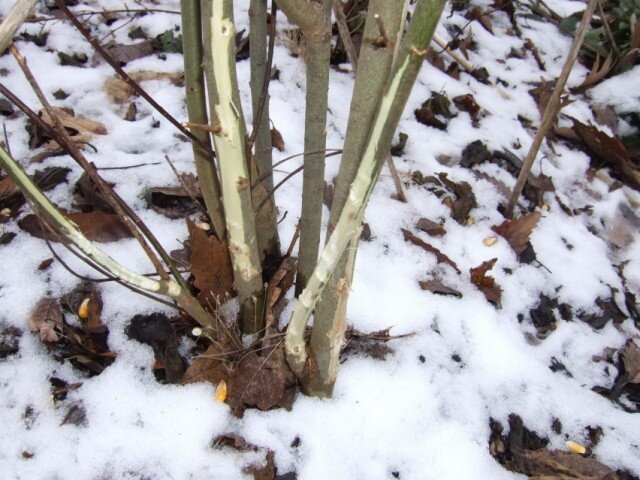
(424,412)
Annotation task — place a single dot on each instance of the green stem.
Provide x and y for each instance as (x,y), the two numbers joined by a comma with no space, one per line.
(373,72)
(266,220)
(197,108)
(424,20)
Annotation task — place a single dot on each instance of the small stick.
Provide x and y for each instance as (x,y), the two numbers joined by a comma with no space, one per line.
(130,81)
(280,162)
(400,196)
(294,240)
(552,109)
(215,129)
(345,36)
(458,58)
(383,39)
(6,138)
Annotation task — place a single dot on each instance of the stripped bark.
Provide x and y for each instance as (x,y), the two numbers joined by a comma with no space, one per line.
(197,110)
(405,70)
(16,17)
(230,144)
(70,231)
(373,72)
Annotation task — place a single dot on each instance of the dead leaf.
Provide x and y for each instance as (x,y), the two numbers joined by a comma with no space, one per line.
(485,283)
(610,150)
(542,94)
(262,380)
(7,188)
(631,359)
(46,179)
(45,318)
(559,465)
(76,415)
(211,267)
(483,18)
(89,198)
(82,126)
(208,367)
(277,288)
(425,116)
(517,231)
(440,257)
(94,321)
(465,199)
(276,140)
(467,103)
(397,149)
(475,153)
(96,226)
(439,288)
(177,202)
(124,54)
(157,331)
(119,91)
(432,229)
(597,73)
(266,471)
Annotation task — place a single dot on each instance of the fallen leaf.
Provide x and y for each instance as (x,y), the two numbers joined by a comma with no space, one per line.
(432,229)
(483,18)
(465,199)
(597,73)
(437,287)
(425,116)
(124,54)
(120,91)
(208,367)
(467,103)
(262,380)
(610,150)
(177,202)
(485,283)
(440,257)
(76,415)
(77,124)
(277,288)
(211,267)
(158,332)
(266,471)
(559,465)
(631,359)
(276,140)
(517,231)
(397,149)
(475,153)
(94,319)
(89,198)
(45,318)
(78,60)
(46,179)
(96,226)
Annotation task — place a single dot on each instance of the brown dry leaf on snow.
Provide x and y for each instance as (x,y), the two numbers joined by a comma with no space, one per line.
(211,266)
(439,288)
(207,368)
(8,188)
(517,231)
(465,199)
(631,358)
(276,140)
(610,150)
(559,465)
(44,318)
(82,129)
(119,91)
(96,226)
(432,229)
(485,283)
(440,257)
(597,73)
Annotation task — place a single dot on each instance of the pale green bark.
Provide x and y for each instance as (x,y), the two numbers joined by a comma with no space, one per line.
(14,19)
(405,71)
(374,66)
(231,150)
(197,109)
(70,232)
(314,20)
(266,219)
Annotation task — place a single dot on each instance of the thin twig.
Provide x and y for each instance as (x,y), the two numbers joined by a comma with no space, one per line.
(90,169)
(294,240)
(130,81)
(6,139)
(334,151)
(127,167)
(345,36)
(550,113)
(458,58)
(105,12)
(257,117)
(608,28)
(277,186)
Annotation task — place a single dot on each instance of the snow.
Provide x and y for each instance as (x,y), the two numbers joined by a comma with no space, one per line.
(419,419)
